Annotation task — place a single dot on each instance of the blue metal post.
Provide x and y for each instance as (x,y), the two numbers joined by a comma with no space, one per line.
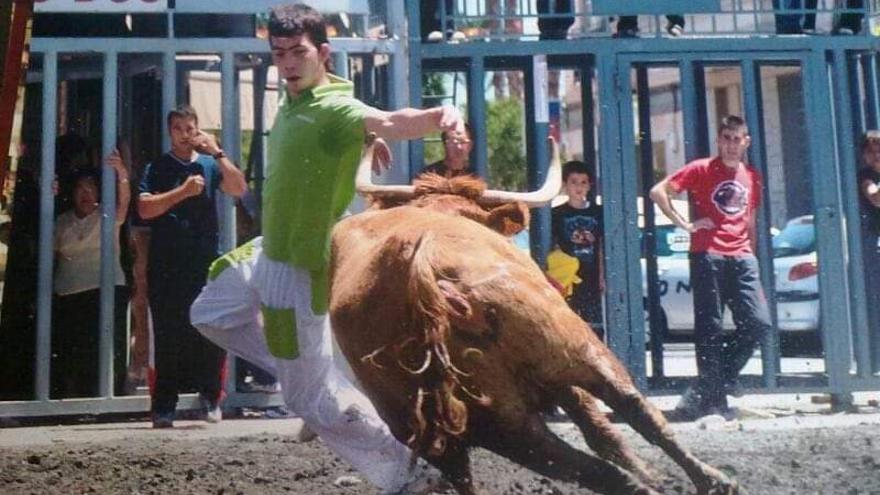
(833,294)
(230,112)
(398,89)
(872,100)
(476,102)
(857,111)
(537,130)
(47,224)
(416,147)
(754,115)
(109,237)
(588,129)
(169,93)
(649,234)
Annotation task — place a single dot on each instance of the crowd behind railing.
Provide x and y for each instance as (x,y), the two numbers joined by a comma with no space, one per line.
(492,20)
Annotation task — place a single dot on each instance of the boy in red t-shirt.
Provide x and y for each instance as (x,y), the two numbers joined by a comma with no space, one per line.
(724,194)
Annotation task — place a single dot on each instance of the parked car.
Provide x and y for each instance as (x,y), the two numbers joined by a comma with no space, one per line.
(795,272)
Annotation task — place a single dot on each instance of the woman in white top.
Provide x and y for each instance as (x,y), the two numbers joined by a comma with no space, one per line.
(76,306)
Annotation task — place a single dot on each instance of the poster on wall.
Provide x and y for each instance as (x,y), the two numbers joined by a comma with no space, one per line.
(100,6)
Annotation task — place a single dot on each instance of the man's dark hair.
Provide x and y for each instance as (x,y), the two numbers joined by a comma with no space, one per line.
(575,167)
(296,20)
(467,129)
(183,112)
(733,123)
(871,138)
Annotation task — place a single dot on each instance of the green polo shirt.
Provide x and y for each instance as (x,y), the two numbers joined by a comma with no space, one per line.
(314,149)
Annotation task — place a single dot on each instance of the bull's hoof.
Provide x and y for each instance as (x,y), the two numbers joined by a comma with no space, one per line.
(721,486)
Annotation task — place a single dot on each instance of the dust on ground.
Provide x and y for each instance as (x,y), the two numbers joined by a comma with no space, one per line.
(822,454)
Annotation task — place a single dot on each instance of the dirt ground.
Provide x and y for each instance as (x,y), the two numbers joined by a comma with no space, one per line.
(821,456)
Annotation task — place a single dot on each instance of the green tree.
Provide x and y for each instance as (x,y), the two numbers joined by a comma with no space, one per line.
(504,132)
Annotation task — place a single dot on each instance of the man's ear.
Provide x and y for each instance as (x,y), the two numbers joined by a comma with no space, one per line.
(324,51)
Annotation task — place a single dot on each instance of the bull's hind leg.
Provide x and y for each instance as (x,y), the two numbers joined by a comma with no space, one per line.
(535,447)
(622,396)
(600,434)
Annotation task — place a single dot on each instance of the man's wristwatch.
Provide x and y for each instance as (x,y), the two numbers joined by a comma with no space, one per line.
(218,155)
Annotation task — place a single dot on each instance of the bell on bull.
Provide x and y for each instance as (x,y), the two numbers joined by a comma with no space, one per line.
(460,342)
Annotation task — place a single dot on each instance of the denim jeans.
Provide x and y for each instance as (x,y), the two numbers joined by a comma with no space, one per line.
(732,281)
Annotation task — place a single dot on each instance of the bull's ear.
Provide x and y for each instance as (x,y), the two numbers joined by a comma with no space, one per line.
(508,219)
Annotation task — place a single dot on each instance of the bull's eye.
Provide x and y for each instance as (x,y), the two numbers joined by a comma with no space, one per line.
(490,314)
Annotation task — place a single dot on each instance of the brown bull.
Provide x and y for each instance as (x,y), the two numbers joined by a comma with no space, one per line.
(459,341)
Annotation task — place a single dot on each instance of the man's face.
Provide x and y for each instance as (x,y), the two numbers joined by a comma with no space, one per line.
(871,156)
(299,61)
(458,147)
(732,144)
(182,130)
(577,186)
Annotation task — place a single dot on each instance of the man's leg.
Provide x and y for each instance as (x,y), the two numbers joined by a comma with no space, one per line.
(750,313)
(312,386)
(706,275)
(227,311)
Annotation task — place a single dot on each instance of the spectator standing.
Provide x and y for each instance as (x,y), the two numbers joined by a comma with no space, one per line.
(869,205)
(177,196)
(578,231)
(724,193)
(77,287)
(628,26)
(457,146)
(796,23)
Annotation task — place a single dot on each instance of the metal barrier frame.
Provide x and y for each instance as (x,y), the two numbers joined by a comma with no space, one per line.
(110,49)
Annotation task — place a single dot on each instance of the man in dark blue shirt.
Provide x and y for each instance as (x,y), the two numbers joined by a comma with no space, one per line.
(177,196)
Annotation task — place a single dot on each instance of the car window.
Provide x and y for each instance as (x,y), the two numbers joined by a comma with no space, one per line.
(797,238)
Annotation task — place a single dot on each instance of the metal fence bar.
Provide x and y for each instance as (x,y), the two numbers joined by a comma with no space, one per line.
(754,115)
(829,238)
(476,102)
(109,237)
(46,226)
(231,142)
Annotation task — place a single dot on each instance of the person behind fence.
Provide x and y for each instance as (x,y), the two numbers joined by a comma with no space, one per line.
(724,193)
(177,196)
(628,26)
(577,230)
(869,206)
(795,22)
(76,306)
(849,23)
(457,146)
(314,147)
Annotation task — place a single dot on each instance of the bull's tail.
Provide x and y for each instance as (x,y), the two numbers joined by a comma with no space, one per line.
(437,413)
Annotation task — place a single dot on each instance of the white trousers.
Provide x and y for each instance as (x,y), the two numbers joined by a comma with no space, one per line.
(227,312)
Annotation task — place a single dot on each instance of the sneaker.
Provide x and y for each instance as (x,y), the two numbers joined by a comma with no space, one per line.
(808,31)
(689,407)
(213,414)
(276,412)
(426,479)
(434,37)
(674,30)
(163,420)
(845,31)
(627,33)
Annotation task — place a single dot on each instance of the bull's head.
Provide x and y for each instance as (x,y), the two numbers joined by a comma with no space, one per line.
(503,211)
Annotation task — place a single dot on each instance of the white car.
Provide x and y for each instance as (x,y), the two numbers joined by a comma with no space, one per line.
(795,270)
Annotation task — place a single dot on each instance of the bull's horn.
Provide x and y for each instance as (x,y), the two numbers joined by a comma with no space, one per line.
(533,199)
(364,179)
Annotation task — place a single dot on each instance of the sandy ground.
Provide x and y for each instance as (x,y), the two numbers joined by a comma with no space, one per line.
(794,453)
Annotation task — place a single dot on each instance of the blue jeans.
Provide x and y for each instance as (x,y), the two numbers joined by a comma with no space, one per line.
(735,282)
